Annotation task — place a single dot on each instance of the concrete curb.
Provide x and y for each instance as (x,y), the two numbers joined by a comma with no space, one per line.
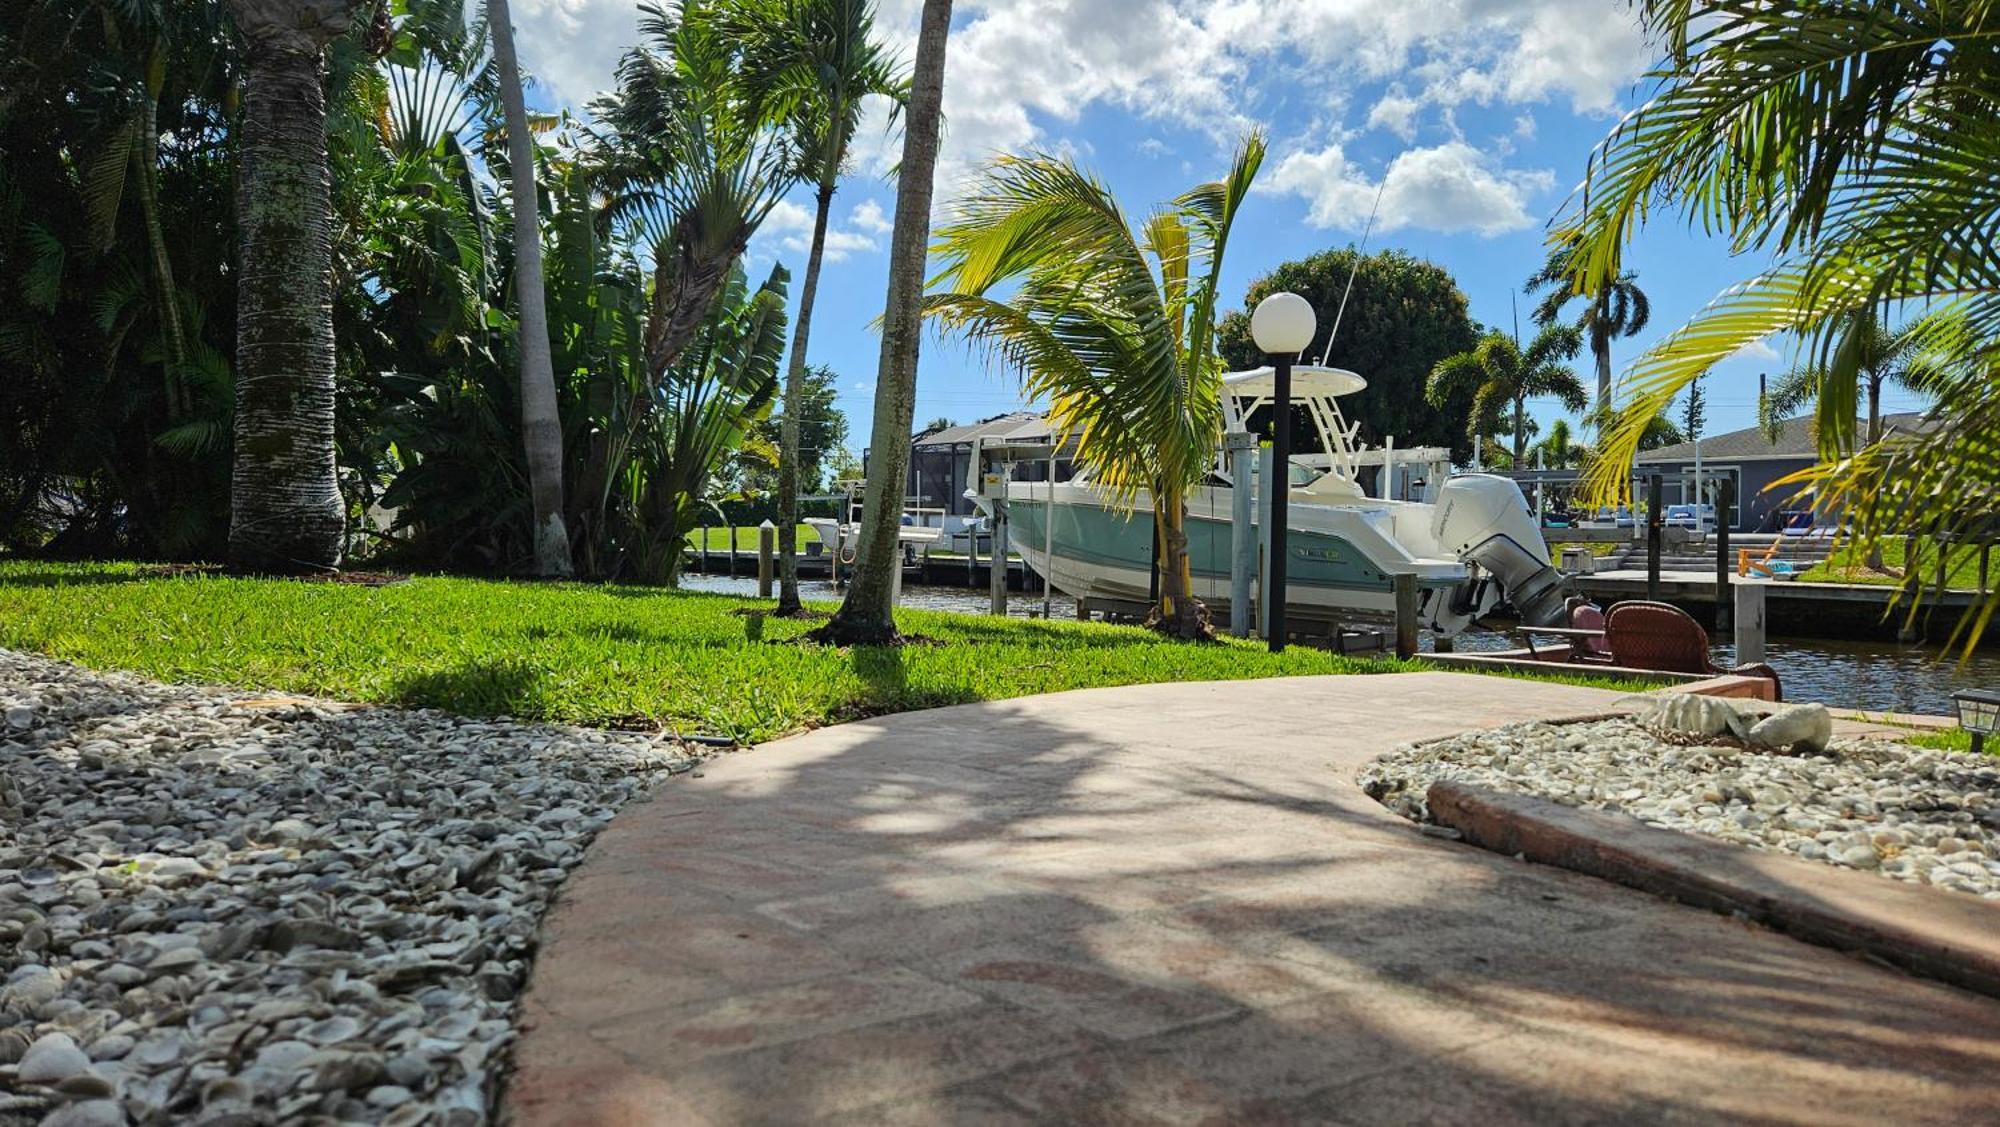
(1942,935)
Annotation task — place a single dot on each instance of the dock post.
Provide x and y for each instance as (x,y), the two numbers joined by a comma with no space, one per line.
(1749,621)
(1724,495)
(732,551)
(767,547)
(1985,556)
(704,548)
(1242,530)
(996,568)
(1406,615)
(1655,527)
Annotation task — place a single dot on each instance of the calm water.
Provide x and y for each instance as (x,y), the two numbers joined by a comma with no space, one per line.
(1879,676)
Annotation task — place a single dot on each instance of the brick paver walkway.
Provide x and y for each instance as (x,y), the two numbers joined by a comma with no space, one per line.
(1169,903)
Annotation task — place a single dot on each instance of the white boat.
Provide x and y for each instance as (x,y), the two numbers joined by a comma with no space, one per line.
(1472,547)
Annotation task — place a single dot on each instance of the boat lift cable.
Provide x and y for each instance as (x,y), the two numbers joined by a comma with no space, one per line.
(1344,294)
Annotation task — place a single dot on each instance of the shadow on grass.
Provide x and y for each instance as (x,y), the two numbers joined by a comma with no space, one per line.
(56,577)
(480,688)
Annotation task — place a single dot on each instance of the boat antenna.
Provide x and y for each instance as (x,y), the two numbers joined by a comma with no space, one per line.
(1344,294)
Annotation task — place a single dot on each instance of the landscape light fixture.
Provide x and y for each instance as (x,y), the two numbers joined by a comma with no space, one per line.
(1978,713)
(1283,326)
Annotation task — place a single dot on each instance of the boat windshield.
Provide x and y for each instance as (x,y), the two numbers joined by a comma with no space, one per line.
(1301,475)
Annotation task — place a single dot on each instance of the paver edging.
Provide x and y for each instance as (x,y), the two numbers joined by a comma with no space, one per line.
(1946,936)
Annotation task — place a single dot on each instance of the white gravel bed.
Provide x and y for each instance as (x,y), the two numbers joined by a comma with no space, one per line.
(1910,813)
(222,908)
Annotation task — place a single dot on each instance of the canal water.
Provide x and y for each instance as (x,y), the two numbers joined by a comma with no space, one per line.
(1880,676)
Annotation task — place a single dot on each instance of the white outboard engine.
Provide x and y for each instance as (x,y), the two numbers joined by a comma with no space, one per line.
(1484,520)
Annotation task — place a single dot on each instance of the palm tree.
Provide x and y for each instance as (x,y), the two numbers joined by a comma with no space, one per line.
(1618,308)
(1559,448)
(1883,357)
(1116,330)
(1500,373)
(814,62)
(541,422)
(1851,141)
(285,512)
(866,615)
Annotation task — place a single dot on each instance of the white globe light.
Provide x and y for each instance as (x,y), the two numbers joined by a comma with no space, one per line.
(1283,323)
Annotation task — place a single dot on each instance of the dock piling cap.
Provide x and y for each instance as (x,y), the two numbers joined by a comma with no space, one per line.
(1309,381)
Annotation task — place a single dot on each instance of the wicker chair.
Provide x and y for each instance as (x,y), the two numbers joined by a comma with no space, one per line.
(1645,635)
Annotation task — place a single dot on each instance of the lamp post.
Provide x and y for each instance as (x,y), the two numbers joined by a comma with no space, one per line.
(1978,713)
(1283,327)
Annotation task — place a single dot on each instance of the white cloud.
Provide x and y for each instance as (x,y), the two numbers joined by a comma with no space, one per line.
(867,216)
(1758,351)
(789,227)
(1022,74)
(1448,187)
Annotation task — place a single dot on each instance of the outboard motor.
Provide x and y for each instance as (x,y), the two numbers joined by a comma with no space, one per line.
(1484,519)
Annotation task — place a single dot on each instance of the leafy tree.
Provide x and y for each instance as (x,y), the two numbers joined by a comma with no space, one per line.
(813,63)
(1559,448)
(1500,374)
(867,613)
(1618,308)
(1403,317)
(1694,411)
(821,426)
(286,513)
(1116,330)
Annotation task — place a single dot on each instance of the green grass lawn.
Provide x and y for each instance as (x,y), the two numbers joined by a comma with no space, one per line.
(746,538)
(1846,565)
(588,654)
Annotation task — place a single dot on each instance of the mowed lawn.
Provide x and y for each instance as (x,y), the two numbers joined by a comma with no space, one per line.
(1846,565)
(695,663)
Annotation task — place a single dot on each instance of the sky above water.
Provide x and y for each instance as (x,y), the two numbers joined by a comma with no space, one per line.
(1472,119)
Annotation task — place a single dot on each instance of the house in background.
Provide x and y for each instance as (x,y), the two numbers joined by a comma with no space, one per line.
(941,468)
(1753,461)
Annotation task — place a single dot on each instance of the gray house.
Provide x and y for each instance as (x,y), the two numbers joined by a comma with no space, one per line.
(1752,461)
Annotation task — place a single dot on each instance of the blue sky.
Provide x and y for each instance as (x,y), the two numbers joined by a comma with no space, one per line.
(1478,114)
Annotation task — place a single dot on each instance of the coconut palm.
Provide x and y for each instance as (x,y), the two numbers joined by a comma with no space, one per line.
(1852,141)
(1619,308)
(1559,448)
(1500,374)
(541,423)
(285,507)
(1883,358)
(1115,328)
(866,615)
(814,63)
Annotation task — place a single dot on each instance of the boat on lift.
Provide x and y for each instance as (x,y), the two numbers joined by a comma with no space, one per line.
(1473,546)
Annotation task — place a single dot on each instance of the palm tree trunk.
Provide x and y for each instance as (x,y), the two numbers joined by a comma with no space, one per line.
(147,156)
(795,389)
(1600,347)
(1520,430)
(1874,408)
(541,419)
(866,616)
(1179,613)
(285,511)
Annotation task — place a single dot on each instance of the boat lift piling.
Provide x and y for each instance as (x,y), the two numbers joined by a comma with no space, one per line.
(994,463)
(1242,447)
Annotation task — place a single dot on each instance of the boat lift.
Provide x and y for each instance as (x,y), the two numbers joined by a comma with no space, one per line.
(993,462)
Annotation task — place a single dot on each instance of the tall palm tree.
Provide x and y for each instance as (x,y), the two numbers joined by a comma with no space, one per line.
(1501,374)
(541,422)
(285,512)
(814,62)
(1117,330)
(866,615)
(1883,357)
(1618,308)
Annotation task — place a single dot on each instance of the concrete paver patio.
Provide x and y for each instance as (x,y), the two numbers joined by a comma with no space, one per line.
(1169,903)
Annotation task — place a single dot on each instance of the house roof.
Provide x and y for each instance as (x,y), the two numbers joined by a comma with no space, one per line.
(1795,441)
(1015,425)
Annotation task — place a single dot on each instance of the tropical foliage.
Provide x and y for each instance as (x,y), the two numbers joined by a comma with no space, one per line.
(1852,142)
(1619,308)
(1402,317)
(1501,377)
(120,145)
(1115,328)
(1883,358)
